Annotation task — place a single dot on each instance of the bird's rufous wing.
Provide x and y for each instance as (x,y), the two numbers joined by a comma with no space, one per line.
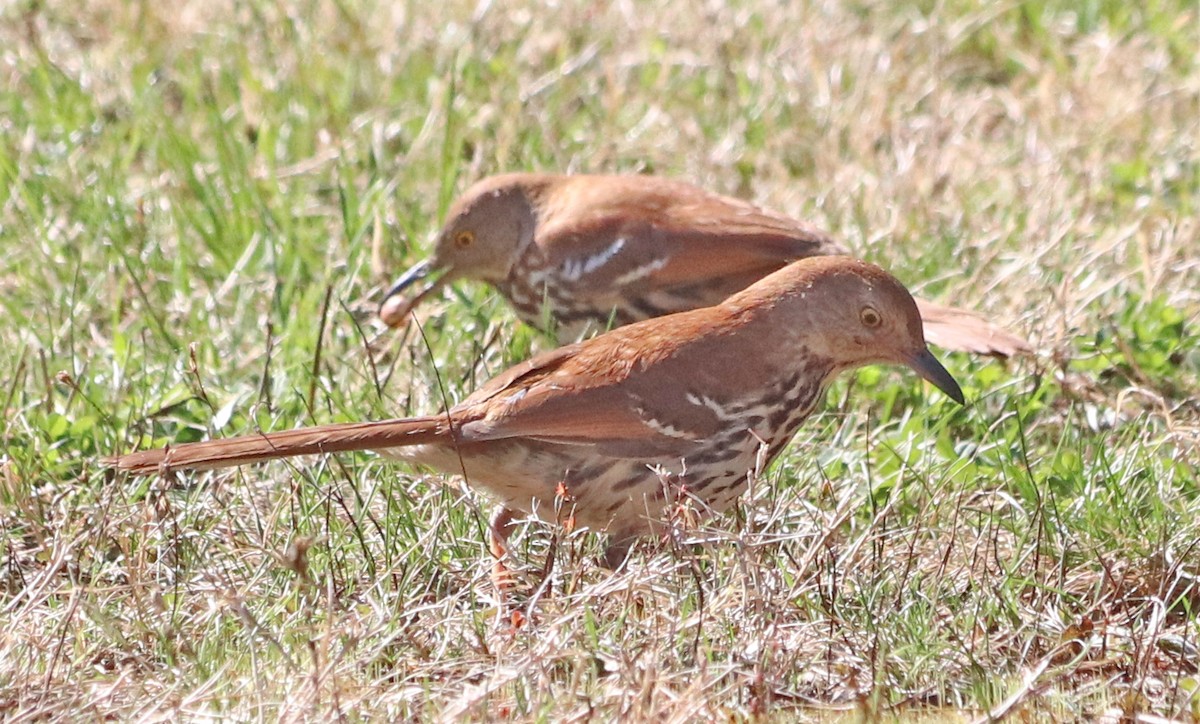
(618,383)
(674,236)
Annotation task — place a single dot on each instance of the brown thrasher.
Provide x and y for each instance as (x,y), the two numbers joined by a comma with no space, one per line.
(629,422)
(585,253)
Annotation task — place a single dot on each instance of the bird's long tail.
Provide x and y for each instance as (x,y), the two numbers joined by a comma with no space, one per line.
(342,437)
(962,331)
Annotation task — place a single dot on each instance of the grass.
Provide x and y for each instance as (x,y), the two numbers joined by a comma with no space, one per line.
(200,202)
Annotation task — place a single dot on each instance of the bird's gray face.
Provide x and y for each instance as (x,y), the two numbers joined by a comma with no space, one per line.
(868,317)
(483,235)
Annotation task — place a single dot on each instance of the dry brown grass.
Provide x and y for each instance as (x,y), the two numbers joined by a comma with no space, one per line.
(180,183)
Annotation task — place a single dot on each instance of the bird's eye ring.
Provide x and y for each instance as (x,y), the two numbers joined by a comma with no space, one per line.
(464,239)
(870,317)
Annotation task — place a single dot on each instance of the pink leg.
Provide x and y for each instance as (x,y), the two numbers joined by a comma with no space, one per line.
(498,531)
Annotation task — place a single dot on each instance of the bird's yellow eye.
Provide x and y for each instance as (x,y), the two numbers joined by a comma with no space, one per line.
(464,239)
(870,317)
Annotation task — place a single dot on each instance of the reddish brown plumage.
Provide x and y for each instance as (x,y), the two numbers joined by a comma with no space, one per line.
(589,252)
(624,419)
(319,440)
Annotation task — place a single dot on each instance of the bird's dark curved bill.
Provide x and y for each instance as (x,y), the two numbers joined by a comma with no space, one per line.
(415,273)
(926,365)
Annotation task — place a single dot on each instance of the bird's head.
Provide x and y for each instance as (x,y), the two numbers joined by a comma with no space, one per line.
(850,312)
(486,229)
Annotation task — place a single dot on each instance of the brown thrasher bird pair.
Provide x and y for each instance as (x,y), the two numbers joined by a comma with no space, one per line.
(633,420)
